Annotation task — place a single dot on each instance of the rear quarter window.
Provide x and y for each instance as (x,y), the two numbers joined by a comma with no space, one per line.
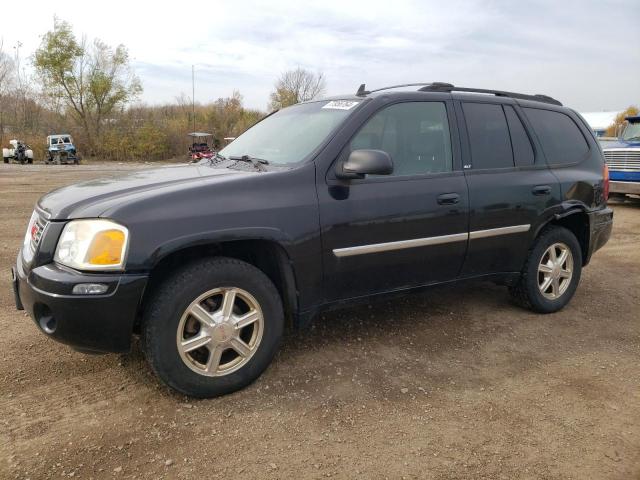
(562,141)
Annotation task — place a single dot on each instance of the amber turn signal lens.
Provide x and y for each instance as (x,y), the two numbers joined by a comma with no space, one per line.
(106,248)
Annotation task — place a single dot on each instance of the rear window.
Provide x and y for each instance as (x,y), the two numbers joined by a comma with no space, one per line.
(488,136)
(561,139)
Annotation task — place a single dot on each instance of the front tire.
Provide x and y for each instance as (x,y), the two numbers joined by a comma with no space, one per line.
(552,272)
(213,327)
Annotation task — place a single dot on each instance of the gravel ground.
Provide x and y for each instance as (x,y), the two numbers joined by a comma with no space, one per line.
(453,383)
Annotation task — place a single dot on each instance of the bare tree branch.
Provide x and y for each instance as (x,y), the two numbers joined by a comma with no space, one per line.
(295,86)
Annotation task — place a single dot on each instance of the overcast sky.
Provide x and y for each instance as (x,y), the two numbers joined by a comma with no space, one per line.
(586,54)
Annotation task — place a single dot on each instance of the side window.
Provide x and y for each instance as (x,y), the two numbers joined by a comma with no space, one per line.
(522,149)
(488,135)
(415,134)
(561,139)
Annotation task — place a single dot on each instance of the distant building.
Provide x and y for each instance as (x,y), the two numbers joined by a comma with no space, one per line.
(600,121)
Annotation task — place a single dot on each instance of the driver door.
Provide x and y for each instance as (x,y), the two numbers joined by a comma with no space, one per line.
(390,232)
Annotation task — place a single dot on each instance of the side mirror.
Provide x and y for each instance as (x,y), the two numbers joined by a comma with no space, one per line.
(365,162)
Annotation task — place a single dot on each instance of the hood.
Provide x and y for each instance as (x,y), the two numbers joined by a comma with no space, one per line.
(618,143)
(91,198)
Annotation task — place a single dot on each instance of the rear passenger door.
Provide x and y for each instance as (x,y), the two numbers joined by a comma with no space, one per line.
(510,186)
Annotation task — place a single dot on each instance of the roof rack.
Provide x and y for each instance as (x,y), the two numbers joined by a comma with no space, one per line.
(447,87)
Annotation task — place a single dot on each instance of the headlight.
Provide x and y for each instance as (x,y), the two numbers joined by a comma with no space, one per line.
(93,245)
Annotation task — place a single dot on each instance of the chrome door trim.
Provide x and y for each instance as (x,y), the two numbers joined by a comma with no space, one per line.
(424,242)
(402,244)
(494,232)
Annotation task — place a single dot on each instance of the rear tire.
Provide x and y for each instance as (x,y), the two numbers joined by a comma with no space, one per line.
(206,303)
(6,160)
(551,273)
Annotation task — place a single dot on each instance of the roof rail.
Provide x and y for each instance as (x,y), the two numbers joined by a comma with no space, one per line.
(447,87)
(442,87)
(362,91)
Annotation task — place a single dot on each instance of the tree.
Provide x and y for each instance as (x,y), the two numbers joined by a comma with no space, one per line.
(614,128)
(92,80)
(296,86)
(6,79)
(6,70)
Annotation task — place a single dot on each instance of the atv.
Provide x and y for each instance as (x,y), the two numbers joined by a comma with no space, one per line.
(21,152)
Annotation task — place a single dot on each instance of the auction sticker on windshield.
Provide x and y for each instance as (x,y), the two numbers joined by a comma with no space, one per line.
(341,104)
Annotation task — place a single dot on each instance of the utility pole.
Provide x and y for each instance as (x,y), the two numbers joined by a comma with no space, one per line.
(21,93)
(193,96)
(17,47)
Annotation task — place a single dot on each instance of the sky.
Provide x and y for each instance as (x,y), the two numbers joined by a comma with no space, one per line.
(584,53)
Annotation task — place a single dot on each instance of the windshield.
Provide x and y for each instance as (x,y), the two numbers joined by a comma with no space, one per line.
(631,132)
(290,135)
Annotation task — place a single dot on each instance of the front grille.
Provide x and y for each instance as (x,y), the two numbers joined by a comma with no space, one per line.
(627,160)
(36,231)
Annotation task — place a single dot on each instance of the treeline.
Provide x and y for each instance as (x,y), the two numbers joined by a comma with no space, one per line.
(88,89)
(139,132)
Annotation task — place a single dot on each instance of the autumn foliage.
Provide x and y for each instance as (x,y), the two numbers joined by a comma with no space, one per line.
(614,128)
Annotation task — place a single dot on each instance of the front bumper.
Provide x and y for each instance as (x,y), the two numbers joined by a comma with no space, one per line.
(600,226)
(95,323)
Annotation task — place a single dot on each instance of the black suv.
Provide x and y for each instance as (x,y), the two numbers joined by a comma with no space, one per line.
(319,205)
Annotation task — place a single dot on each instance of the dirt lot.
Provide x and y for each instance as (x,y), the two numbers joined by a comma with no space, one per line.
(452,383)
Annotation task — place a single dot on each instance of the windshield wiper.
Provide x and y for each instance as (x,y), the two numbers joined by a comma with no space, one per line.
(259,163)
(217,156)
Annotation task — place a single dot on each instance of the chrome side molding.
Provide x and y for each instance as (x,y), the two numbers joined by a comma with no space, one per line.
(424,242)
(388,246)
(494,232)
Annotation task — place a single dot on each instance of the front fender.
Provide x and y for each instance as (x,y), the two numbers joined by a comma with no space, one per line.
(215,237)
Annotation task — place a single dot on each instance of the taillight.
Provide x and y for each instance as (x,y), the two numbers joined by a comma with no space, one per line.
(605,182)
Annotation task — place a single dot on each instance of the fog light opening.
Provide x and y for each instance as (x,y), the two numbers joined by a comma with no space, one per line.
(48,324)
(90,289)
(45,318)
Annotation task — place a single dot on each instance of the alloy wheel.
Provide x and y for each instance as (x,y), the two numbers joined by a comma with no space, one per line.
(555,271)
(220,331)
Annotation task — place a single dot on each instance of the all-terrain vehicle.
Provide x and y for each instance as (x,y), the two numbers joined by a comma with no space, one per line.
(61,150)
(19,152)
(201,146)
(319,205)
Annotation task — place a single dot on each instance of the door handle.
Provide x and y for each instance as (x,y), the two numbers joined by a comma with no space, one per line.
(448,198)
(541,190)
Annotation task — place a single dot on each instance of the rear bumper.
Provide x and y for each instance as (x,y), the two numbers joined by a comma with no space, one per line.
(624,187)
(600,226)
(96,323)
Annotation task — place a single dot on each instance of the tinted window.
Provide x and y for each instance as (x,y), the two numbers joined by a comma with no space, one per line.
(415,134)
(488,136)
(561,139)
(522,149)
